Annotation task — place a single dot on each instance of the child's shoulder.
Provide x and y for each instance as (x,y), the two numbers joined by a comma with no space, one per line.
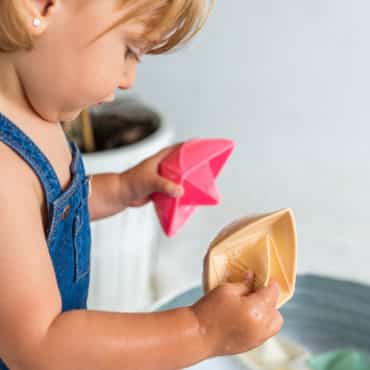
(17,176)
(20,186)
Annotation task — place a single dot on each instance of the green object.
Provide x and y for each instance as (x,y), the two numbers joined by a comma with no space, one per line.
(340,360)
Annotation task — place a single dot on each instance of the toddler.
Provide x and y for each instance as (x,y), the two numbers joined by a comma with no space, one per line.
(58,57)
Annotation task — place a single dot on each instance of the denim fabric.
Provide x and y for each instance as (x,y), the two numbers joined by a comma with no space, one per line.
(68,233)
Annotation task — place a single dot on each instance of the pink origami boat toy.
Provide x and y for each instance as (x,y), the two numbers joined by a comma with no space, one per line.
(195,166)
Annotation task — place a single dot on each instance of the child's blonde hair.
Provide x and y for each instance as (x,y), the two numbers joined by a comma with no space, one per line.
(168,23)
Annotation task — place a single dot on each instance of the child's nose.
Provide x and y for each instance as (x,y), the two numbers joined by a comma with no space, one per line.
(126,84)
(128,80)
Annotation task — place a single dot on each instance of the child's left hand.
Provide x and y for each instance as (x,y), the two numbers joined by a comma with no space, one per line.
(144,179)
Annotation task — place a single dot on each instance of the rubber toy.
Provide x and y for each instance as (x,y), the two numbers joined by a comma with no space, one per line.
(194,165)
(265,244)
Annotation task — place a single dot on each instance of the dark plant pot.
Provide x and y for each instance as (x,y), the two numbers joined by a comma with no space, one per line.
(125,246)
(121,123)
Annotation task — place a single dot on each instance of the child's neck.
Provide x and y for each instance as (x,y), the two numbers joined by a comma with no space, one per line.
(13,102)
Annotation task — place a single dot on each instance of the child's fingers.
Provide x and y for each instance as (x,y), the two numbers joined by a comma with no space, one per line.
(269,295)
(168,187)
(276,323)
(246,286)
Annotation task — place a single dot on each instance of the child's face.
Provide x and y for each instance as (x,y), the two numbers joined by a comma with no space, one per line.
(68,71)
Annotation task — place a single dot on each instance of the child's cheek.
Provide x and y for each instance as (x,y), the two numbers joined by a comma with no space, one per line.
(104,68)
(100,83)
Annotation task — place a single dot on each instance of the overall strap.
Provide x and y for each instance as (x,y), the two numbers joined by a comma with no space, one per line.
(14,137)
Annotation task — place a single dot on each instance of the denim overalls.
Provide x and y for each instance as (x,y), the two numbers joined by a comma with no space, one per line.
(68,233)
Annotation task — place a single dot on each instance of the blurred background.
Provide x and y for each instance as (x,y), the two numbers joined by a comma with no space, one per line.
(288,80)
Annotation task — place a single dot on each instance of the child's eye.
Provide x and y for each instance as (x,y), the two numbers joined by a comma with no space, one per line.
(130,53)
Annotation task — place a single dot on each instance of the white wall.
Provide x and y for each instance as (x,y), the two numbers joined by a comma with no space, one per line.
(289,80)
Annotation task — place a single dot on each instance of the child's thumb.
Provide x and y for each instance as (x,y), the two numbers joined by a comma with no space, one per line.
(169,187)
(246,286)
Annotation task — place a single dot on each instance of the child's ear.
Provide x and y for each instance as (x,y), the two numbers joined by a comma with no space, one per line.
(39,14)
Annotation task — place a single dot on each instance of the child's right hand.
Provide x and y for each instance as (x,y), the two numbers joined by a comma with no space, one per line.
(234,319)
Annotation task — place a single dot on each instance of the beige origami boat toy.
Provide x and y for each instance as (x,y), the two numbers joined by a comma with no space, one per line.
(265,244)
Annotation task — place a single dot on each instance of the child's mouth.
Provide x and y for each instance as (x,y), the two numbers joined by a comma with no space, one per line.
(108,100)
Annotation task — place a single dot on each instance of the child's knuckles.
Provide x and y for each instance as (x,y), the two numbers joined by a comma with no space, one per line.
(254,315)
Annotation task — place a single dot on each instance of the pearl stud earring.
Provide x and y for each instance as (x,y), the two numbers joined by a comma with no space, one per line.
(36,22)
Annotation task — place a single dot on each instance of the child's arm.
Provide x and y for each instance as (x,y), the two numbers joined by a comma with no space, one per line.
(36,335)
(107,195)
(123,341)
(112,192)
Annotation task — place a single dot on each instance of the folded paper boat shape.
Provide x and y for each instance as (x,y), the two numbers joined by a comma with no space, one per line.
(195,165)
(265,244)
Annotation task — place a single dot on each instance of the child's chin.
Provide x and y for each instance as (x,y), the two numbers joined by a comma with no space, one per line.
(70,116)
